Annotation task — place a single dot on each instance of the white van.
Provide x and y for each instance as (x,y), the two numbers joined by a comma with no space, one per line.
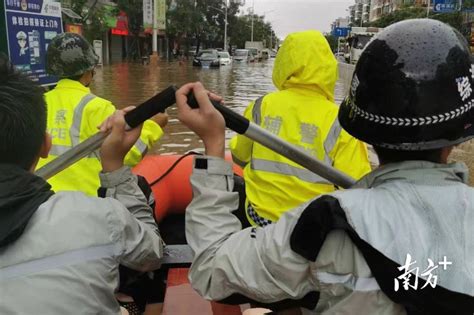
(243,56)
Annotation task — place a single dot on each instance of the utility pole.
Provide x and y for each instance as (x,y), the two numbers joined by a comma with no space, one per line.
(225,26)
(253,13)
(225,22)
(155,29)
(271,39)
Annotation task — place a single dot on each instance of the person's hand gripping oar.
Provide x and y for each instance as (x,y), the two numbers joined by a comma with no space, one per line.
(119,140)
(204,120)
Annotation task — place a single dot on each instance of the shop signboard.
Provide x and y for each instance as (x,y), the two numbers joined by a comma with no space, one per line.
(30,26)
(148,15)
(98,50)
(160,14)
(74,28)
(121,27)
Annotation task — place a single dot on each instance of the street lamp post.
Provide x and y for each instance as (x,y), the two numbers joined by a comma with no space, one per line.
(253,13)
(225,21)
(155,30)
(225,25)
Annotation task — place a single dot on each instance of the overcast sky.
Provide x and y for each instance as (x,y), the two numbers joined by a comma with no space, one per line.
(289,16)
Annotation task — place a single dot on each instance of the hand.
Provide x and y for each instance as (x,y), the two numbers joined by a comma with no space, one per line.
(118,142)
(205,121)
(161,119)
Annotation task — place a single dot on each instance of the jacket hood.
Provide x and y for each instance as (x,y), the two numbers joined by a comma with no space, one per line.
(305,60)
(21,193)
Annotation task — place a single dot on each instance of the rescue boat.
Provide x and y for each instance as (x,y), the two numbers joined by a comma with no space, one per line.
(168,176)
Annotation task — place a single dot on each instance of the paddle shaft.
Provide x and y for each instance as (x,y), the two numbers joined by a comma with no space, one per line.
(234,121)
(243,126)
(137,116)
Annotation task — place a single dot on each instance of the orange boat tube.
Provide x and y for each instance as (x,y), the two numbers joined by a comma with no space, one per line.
(168,176)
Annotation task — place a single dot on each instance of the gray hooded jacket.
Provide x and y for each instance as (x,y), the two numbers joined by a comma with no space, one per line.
(417,208)
(66,258)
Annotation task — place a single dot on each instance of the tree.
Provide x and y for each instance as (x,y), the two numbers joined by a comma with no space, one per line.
(241,28)
(202,21)
(399,15)
(332,40)
(454,19)
(92,18)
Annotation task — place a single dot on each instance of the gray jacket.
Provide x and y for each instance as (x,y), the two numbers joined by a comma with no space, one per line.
(399,209)
(66,261)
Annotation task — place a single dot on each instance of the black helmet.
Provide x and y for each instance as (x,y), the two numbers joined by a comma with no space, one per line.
(412,88)
(69,55)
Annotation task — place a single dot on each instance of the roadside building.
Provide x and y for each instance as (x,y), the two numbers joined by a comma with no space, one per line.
(359,12)
(378,8)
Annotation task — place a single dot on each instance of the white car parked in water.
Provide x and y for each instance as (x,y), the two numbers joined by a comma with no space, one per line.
(224,58)
(243,56)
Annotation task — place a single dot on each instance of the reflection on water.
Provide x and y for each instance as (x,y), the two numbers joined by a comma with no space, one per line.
(130,84)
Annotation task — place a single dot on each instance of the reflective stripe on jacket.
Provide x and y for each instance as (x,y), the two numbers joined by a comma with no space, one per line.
(67,259)
(73,116)
(418,208)
(303,113)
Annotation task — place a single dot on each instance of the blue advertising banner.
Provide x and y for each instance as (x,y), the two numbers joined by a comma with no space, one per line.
(31,24)
(445,6)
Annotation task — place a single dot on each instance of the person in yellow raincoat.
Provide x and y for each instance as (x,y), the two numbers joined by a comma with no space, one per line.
(303,113)
(74,114)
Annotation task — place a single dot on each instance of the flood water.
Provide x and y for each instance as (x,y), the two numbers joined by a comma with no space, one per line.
(130,84)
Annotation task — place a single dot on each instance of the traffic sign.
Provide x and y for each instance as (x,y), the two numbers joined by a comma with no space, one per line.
(341,31)
(445,6)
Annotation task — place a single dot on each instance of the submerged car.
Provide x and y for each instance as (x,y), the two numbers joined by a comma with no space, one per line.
(243,55)
(208,58)
(224,58)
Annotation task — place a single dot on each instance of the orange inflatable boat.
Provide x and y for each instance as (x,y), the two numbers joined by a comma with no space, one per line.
(168,176)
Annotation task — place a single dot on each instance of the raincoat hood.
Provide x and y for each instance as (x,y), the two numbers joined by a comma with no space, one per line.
(305,60)
(21,193)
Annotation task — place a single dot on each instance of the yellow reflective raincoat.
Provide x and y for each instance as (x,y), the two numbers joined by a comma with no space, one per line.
(303,113)
(73,116)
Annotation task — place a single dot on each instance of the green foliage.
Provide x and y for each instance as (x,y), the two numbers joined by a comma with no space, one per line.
(202,21)
(332,40)
(400,15)
(241,31)
(455,19)
(92,17)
